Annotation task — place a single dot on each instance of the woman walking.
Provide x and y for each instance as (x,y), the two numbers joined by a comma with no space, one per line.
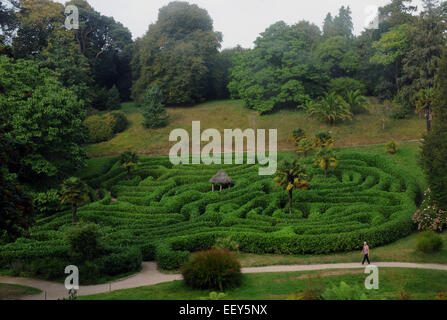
(365,252)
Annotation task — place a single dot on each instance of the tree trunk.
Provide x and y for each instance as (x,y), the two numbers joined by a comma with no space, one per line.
(428,117)
(325,169)
(75,214)
(290,201)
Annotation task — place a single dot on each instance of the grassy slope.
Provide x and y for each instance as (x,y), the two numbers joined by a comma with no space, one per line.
(11,291)
(420,284)
(231,114)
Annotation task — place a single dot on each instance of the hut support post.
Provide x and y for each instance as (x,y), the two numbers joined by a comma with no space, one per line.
(212,187)
(220,187)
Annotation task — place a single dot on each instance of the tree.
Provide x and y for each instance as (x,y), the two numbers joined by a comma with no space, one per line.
(47,120)
(107,45)
(8,21)
(355,100)
(281,71)
(323,139)
(421,61)
(434,148)
(128,160)
(113,99)
(391,49)
(154,112)
(330,108)
(37,20)
(291,175)
(15,202)
(338,57)
(304,146)
(326,159)
(69,65)
(75,192)
(177,54)
(340,25)
(424,101)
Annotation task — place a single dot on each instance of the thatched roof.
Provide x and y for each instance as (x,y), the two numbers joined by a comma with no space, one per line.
(221,178)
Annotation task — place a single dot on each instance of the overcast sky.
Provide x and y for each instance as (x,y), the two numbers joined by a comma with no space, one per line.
(240,21)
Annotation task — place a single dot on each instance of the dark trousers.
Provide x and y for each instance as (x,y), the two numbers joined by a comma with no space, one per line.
(366,257)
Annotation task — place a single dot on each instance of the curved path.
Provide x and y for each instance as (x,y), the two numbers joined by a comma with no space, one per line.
(149,275)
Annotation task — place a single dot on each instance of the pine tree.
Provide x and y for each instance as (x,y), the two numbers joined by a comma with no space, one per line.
(155,115)
(434,149)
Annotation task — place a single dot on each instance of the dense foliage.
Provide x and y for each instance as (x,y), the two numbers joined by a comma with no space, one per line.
(167,212)
(154,112)
(214,269)
(177,54)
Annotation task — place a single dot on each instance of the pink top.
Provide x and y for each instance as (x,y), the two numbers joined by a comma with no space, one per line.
(365,249)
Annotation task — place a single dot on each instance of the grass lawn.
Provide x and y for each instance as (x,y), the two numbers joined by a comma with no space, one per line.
(12,291)
(420,284)
(403,250)
(365,129)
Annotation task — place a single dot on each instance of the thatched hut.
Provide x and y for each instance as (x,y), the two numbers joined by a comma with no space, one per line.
(221,179)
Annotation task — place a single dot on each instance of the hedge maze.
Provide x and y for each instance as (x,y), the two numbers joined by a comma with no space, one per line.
(166,212)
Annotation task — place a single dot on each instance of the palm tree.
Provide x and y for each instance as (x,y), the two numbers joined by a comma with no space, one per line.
(290,175)
(424,101)
(304,146)
(326,159)
(323,139)
(330,109)
(128,160)
(74,191)
(355,100)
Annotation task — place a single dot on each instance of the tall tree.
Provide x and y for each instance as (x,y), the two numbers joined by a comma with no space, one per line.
(422,59)
(45,117)
(281,71)
(291,175)
(75,192)
(154,112)
(434,149)
(107,44)
(37,20)
(177,54)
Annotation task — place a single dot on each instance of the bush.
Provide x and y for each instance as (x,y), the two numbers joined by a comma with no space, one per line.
(85,242)
(341,85)
(47,203)
(113,99)
(430,216)
(429,242)
(100,128)
(392,147)
(214,269)
(227,243)
(344,292)
(121,121)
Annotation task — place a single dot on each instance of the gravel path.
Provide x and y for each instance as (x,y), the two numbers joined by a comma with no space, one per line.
(149,275)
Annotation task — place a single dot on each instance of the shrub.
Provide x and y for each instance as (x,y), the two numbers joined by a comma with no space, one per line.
(442,295)
(100,128)
(392,147)
(341,85)
(429,242)
(214,269)
(344,292)
(430,216)
(113,99)
(121,121)
(227,243)
(47,203)
(155,115)
(85,242)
